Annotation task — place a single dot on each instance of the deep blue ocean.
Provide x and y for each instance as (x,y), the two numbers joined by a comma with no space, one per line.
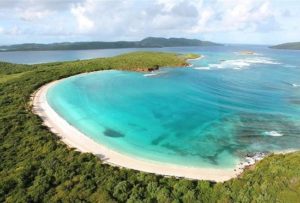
(211,114)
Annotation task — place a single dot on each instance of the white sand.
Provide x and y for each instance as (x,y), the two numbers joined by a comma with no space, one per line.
(74,138)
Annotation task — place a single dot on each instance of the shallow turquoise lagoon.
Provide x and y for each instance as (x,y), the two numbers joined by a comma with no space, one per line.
(209,115)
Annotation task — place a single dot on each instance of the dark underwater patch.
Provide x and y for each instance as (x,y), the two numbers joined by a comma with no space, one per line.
(252,128)
(175,149)
(159,139)
(113,133)
(295,101)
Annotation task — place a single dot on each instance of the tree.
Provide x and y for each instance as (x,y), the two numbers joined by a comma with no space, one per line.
(122,191)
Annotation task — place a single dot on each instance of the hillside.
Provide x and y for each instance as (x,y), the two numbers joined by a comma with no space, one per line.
(291,45)
(173,42)
(145,43)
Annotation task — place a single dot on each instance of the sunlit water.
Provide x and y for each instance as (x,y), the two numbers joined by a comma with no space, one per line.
(209,115)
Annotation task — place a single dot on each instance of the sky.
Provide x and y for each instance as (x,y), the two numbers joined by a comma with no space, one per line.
(224,21)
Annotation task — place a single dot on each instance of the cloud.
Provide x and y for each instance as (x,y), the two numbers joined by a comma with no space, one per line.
(135,19)
(33,15)
(15,30)
(234,15)
(80,10)
(172,16)
(53,5)
(189,16)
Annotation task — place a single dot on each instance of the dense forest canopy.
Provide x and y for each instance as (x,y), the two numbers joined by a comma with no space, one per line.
(37,167)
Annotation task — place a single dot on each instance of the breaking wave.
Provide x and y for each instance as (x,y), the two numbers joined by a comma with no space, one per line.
(155,73)
(240,63)
(273,133)
(202,68)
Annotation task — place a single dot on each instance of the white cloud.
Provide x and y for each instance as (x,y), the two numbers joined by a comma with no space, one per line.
(246,13)
(233,15)
(15,30)
(157,16)
(80,11)
(173,16)
(33,15)
(166,5)
(134,19)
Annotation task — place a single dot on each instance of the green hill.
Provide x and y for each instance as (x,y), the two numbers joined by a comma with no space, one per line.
(291,45)
(145,43)
(174,42)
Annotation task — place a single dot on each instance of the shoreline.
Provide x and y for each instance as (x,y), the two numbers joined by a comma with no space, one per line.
(76,139)
(196,59)
(73,138)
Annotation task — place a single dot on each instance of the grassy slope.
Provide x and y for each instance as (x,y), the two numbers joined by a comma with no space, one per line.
(5,78)
(37,167)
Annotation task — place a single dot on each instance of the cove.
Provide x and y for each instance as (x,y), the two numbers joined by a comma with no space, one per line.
(212,114)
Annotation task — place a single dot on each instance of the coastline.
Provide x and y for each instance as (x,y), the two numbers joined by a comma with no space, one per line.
(73,138)
(196,59)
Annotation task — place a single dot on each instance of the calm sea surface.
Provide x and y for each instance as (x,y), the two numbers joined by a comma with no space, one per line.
(35,57)
(211,114)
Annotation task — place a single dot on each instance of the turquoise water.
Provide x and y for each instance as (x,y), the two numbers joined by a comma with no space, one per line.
(209,115)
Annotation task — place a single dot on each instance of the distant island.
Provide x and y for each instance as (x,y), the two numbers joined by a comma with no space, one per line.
(149,42)
(291,45)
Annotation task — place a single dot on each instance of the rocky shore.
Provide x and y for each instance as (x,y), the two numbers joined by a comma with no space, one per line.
(251,159)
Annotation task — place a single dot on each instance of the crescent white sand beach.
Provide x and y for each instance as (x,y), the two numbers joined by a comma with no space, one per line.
(76,139)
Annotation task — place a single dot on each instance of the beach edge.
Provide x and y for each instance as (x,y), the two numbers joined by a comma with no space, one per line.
(73,138)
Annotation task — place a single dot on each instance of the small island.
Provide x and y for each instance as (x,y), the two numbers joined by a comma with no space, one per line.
(290,45)
(247,52)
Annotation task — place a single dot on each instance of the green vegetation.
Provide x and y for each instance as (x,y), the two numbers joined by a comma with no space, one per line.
(147,42)
(191,56)
(291,45)
(174,42)
(5,78)
(37,167)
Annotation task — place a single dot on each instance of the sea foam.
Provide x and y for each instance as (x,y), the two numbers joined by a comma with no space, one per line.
(242,63)
(196,59)
(151,74)
(290,66)
(273,133)
(202,68)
